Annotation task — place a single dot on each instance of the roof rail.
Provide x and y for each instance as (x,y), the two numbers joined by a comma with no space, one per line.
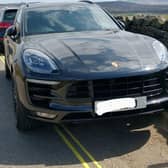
(87,1)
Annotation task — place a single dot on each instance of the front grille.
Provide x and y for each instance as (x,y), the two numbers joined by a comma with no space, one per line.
(153,85)
(127,87)
(149,85)
(79,90)
(39,94)
(42,95)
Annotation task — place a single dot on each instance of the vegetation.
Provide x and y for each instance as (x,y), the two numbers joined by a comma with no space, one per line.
(154,26)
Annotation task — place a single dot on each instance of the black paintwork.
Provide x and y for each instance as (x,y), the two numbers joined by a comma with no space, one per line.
(85,56)
(88,55)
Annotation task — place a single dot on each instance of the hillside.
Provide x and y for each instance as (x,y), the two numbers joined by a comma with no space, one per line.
(150,2)
(141,6)
(129,7)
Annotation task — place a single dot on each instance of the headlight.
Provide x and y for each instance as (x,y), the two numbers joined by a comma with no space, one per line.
(161,50)
(38,62)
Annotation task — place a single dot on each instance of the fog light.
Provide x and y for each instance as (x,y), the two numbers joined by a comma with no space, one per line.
(46,115)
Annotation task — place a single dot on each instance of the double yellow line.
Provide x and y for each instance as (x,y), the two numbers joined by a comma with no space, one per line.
(2,59)
(62,131)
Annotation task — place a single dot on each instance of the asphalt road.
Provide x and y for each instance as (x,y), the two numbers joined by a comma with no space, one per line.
(140,142)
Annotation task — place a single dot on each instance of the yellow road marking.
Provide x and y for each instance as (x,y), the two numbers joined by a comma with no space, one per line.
(69,144)
(2,58)
(82,147)
(72,148)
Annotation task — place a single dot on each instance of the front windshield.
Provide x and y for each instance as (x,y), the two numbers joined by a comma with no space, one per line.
(70,18)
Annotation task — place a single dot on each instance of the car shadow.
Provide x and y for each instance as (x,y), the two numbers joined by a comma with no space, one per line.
(112,138)
(44,147)
(161,124)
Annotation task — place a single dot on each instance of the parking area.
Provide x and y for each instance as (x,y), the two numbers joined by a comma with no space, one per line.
(120,143)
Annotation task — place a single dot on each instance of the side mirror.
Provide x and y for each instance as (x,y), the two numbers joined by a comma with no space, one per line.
(122,24)
(11,31)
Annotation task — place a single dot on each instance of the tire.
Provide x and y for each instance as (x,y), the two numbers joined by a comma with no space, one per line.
(165,115)
(23,123)
(2,49)
(7,71)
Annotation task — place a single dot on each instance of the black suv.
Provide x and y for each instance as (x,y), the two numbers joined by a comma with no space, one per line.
(74,62)
(7,17)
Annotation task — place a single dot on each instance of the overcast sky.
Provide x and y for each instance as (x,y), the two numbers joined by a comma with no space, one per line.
(14,1)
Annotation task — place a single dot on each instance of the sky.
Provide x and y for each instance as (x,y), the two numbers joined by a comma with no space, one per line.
(17,1)
(148,2)
(152,2)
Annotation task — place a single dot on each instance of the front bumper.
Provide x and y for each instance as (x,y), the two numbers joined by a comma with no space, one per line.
(86,113)
(58,101)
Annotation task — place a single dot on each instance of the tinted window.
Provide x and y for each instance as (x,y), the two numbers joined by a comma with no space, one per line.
(71,18)
(9,16)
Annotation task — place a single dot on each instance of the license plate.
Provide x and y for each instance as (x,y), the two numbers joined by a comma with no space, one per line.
(123,104)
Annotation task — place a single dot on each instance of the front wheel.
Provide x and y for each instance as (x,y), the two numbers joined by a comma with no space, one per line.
(23,123)
(165,115)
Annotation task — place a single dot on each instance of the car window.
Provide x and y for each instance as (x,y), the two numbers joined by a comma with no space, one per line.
(70,19)
(9,16)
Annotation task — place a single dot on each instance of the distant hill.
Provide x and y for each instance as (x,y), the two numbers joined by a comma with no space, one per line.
(129,7)
(149,2)
(141,6)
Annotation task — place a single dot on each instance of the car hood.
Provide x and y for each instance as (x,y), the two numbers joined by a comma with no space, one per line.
(103,52)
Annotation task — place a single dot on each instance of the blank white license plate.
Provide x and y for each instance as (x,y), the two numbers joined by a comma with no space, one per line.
(123,104)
